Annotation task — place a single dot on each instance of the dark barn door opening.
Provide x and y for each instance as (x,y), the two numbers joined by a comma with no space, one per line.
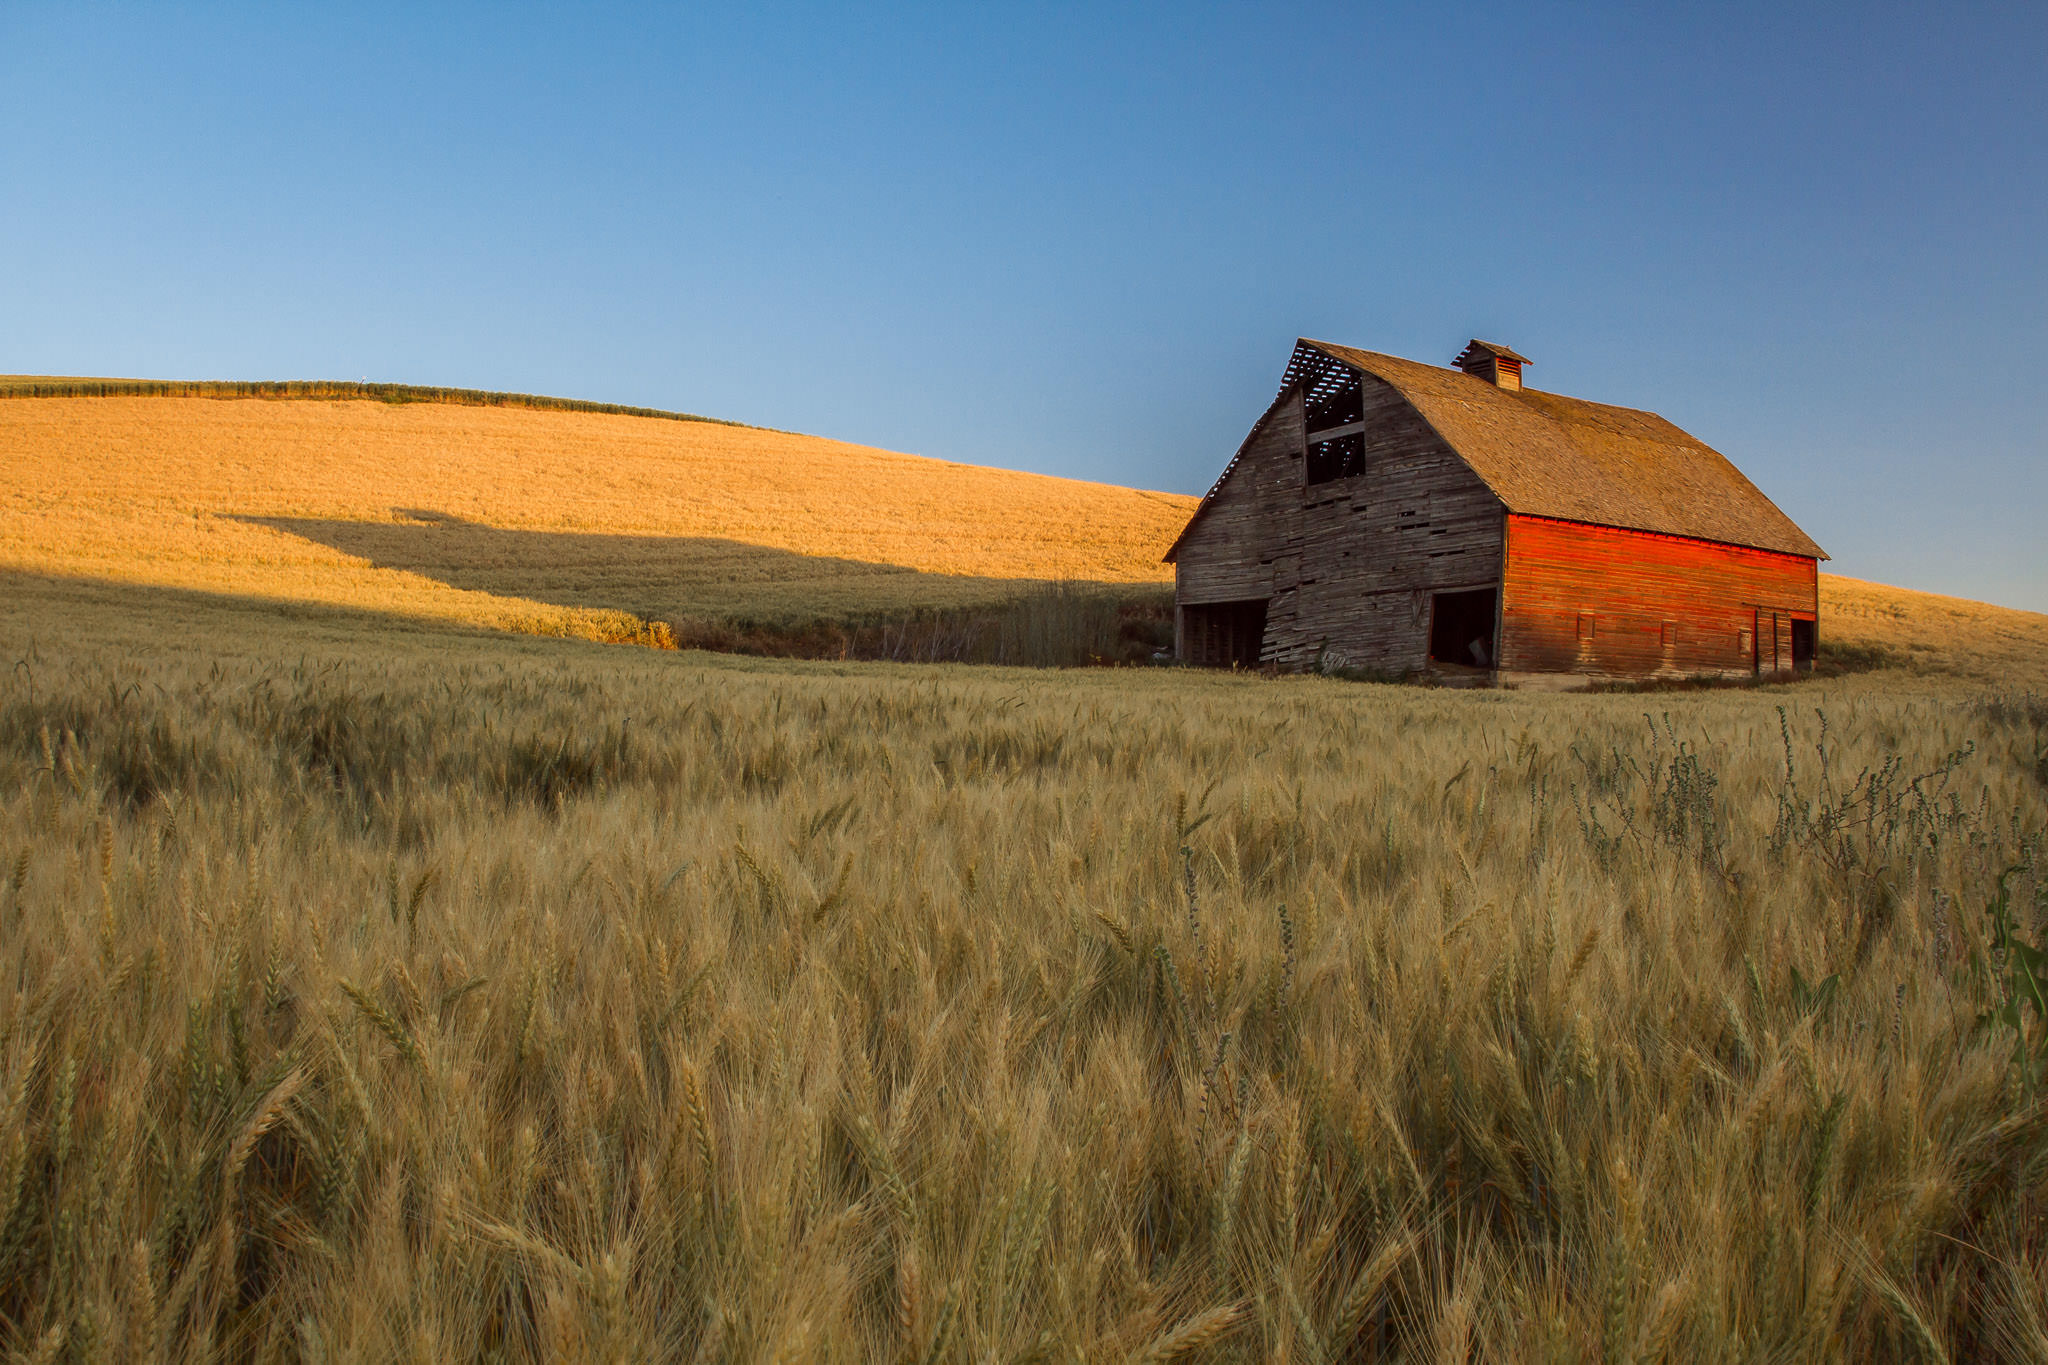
(1802,644)
(1224,634)
(1461,628)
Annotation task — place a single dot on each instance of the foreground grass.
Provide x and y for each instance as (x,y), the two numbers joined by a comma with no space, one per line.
(379,996)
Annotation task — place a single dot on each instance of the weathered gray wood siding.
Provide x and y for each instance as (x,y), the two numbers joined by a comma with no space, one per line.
(1227,556)
(1347,567)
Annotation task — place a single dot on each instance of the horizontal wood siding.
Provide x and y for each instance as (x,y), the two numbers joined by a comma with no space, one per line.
(1347,566)
(1227,555)
(1604,602)
(1352,582)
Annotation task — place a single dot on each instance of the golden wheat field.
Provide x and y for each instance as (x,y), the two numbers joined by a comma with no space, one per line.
(553,522)
(1927,632)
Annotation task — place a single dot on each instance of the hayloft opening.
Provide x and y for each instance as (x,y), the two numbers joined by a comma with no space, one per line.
(1336,459)
(1461,628)
(1333,413)
(1331,395)
(1223,634)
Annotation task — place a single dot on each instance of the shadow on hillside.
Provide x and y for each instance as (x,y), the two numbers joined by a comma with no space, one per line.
(144,617)
(1051,625)
(652,576)
(710,593)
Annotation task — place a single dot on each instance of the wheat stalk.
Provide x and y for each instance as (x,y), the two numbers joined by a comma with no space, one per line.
(1198,1332)
(385,1022)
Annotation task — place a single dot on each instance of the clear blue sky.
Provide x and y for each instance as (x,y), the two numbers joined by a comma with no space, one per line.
(1083,240)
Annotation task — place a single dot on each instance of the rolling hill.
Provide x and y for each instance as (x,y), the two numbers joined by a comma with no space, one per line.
(553,517)
(538,519)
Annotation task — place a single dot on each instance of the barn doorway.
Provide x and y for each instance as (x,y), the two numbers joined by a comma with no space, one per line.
(1461,628)
(1784,643)
(1223,634)
(1802,644)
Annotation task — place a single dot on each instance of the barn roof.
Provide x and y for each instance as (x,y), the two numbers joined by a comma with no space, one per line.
(1549,456)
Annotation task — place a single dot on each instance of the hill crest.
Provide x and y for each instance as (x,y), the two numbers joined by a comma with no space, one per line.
(324,390)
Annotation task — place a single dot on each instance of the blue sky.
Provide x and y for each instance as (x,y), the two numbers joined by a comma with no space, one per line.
(1082,240)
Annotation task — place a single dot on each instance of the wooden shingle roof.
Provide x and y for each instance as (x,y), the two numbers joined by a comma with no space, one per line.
(1546,455)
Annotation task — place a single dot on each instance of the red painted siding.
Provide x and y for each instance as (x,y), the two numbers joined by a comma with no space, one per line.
(1607,602)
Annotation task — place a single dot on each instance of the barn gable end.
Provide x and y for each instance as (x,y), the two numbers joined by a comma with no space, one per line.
(1343,515)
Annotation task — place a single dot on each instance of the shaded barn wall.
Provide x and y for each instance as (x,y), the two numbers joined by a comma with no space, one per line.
(1604,602)
(1346,567)
(1227,555)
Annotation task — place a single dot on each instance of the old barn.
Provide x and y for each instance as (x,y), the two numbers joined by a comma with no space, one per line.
(1403,518)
